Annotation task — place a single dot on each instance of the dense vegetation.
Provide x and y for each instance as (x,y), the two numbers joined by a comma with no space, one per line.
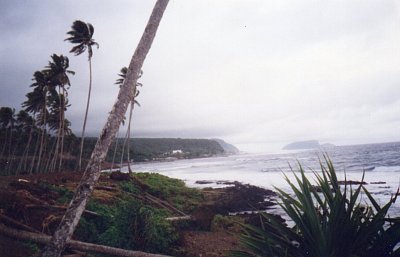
(21,143)
(122,216)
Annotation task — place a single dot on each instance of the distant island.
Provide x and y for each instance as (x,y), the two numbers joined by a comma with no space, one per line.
(309,144)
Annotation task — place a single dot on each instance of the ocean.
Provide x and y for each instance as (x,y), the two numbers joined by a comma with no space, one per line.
(381,163)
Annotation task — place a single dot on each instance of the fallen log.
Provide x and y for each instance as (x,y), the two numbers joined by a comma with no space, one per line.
(164,203)
(17,224)
(58,207)
(179,218)
(77,245)
(106,188)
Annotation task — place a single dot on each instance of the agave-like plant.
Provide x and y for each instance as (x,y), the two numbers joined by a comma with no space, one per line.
(330,221)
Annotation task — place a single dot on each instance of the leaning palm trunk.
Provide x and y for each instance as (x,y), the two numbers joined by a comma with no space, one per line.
(92,173)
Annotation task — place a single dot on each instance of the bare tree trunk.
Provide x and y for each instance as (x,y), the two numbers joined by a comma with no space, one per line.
(86,115)
(22,163)
(62,130)
(34,155)
(92,173)
(115,151)
(43,132)
(123,149)
(129,135)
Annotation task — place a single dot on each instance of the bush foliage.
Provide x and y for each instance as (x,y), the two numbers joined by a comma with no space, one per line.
(330,221)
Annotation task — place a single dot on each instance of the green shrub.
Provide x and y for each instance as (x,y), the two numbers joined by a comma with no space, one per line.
(222,223)
(129,187)
(330,223)
(158,233)
(120,233)
(173,190)
(128,224)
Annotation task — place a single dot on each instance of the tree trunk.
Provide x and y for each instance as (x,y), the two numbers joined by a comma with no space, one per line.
(34,154)
(92,173)
(43,132)
(86,114)
(115,151)
(22,163)
(62,129)
(77,245)
(128,150)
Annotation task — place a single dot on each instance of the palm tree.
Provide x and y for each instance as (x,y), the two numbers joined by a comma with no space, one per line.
(81,34)
(28,123)
(136,92)
(23,122)
(7,121)
(58,79)
(92,173)
(37,105)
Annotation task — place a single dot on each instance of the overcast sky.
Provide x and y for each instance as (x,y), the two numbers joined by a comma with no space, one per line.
(256,73)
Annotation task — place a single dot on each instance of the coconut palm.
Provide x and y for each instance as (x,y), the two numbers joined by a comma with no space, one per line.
(37,105)
(59,83)
(28,125)
(22,129)
(6,115)
(81,34)
(136,92)
(92,173)
(7,121)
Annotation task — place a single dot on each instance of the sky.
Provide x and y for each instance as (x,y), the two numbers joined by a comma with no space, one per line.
(258,74)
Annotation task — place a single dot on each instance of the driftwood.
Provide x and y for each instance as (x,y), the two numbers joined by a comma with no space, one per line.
(106,188)
(77,245)
(187,217)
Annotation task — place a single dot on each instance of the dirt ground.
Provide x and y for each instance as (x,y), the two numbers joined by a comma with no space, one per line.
(21,194)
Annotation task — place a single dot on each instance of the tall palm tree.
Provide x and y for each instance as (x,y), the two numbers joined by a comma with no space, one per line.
(92,173)
(58,79)
(37,105)
(136,92)
(81,34)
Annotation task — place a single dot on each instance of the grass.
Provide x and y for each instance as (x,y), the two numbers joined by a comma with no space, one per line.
(174,190)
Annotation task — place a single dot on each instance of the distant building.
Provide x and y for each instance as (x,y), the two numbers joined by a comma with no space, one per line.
(176,152)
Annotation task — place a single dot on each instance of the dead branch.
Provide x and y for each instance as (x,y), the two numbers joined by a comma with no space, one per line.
(58,207)
(106,188)
(78,245)
(179,218)
(13,222)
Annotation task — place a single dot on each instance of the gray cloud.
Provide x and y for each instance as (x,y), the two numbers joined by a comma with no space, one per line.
(257,73)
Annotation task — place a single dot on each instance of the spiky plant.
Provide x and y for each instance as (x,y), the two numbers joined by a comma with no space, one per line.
(330,221)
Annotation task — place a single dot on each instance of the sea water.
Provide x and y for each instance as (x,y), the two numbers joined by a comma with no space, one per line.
(380,162)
